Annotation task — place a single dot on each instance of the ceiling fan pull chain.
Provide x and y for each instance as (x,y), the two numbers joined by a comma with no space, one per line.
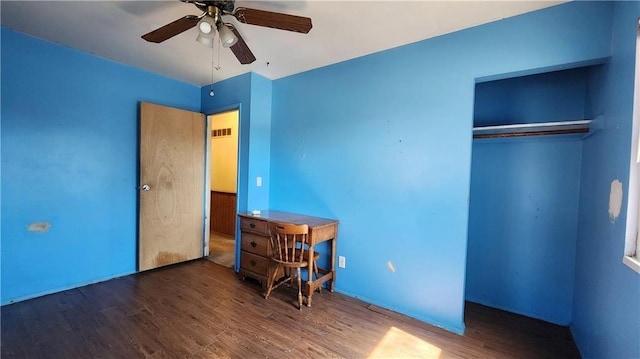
(218,44)
(213,54)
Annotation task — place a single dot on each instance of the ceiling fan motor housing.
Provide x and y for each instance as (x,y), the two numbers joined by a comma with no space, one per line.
(225,6)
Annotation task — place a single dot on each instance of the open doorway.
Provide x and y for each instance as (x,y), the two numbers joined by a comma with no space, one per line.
(224,179)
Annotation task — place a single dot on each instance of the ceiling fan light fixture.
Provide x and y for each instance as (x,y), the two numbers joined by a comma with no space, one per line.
(206,41)
(227,36)
(207,27)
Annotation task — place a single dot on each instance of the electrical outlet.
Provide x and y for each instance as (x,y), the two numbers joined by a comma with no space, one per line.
(258,181)
(342,262)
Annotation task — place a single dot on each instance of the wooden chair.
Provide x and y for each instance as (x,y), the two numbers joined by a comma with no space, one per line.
(288,242)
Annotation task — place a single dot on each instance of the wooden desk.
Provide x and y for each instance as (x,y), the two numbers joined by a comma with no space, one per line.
(255,253)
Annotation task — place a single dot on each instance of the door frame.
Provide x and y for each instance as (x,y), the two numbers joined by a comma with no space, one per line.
(207,187)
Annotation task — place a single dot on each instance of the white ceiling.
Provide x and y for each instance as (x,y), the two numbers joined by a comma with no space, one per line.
(342,30)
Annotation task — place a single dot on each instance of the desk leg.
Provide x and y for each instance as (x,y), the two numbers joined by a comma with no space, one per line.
(333,264)
(310,288)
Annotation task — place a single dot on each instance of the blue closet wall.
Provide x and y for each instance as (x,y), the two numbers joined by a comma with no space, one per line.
(546,97)
(523,212)
(70,160)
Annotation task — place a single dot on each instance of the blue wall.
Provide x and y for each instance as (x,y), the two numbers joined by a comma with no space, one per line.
(606,307)
(260,141)
(70,159)
(383,143)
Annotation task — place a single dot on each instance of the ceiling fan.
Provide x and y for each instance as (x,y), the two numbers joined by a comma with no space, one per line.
(211,20)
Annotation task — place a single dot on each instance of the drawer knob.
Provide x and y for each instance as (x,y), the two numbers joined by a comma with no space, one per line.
(252,225)
(254,244)
(253,263)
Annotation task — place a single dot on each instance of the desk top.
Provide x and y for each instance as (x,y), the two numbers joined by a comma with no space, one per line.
(294,218)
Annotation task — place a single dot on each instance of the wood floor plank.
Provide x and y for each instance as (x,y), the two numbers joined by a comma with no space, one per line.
(200,309)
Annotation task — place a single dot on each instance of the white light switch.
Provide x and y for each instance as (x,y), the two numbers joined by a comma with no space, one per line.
(259,181)
(342,262)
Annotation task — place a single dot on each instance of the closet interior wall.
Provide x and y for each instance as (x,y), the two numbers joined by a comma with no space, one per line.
(523,212)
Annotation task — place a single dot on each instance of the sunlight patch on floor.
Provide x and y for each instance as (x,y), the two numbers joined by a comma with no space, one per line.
(399,344)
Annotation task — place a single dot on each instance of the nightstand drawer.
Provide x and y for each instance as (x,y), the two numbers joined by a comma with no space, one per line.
(254,225)
(255,244)
(254,263)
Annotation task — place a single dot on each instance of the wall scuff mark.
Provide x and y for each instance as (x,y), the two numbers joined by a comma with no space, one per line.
(40,227)
(615,200)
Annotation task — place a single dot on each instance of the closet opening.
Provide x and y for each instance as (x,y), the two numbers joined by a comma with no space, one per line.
(525,190)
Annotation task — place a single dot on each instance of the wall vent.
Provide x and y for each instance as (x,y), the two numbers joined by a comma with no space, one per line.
(221,132)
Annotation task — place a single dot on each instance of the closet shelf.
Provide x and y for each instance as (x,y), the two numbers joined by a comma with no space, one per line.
(585,127)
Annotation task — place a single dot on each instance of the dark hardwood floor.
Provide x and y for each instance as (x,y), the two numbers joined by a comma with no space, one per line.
(201,310)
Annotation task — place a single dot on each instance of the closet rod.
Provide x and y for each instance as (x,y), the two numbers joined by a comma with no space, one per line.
(531,133)
(533,129)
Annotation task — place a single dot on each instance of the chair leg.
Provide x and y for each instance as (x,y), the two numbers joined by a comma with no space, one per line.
(315,269)
(271,280)
(299,289)
(289,273)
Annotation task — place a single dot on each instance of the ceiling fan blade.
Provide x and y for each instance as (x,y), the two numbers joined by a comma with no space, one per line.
(171,29)
(241,50)
(274,20)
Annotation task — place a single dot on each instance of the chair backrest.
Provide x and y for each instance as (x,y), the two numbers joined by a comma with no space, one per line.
(288,241)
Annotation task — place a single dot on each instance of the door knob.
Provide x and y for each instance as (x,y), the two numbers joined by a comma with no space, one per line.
(146,187)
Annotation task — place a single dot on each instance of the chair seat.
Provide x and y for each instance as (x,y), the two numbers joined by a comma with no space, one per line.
(305,259)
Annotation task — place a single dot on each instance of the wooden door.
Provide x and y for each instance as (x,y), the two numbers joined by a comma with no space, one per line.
(171,219)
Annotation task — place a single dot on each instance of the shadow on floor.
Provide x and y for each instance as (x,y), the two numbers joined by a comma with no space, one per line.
(222,249)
